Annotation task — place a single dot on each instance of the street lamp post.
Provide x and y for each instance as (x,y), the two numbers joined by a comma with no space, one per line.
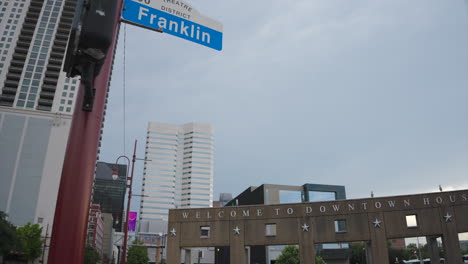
(128,184)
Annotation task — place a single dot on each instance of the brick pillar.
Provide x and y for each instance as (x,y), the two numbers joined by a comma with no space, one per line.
(306,242)
(378,241)
(236,243)
(450,237)
(173,245)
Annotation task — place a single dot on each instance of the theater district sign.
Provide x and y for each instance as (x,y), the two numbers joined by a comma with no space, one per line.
(374,221)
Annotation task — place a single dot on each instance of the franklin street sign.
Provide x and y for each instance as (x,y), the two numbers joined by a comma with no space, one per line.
(176,18)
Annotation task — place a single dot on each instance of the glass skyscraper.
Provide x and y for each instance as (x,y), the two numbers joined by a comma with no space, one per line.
(110,193)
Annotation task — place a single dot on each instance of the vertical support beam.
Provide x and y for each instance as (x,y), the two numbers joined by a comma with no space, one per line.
(173,244)
(71,212)
(236,243)
(158,255)
(187,256)
(450,237)
(368,248)
(378,236)
(433,249)
(306,242)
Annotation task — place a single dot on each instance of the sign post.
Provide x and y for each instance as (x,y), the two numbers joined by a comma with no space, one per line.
(176,18)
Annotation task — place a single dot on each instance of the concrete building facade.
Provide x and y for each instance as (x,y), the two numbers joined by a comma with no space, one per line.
(108,235)
(96,229)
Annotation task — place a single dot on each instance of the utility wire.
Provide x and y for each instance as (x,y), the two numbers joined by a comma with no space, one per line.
(124,81)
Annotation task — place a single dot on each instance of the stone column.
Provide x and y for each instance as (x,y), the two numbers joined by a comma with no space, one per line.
(450,236)
(306,242)
(236,243)
(378,241)
(433,249)
(173,245)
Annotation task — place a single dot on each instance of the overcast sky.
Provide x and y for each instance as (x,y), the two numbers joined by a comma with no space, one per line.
(370,94)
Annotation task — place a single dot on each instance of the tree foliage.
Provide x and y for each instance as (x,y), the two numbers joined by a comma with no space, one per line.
(137,254)
(91,256)
(358,253)
(30,241)
(319,260)
(290,255)
(7,235)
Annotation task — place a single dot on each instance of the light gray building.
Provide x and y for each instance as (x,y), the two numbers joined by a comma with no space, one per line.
(179,173)
(36,105)
(108,238)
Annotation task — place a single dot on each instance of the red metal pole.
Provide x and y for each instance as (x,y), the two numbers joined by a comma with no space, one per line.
(124,251)
(72,208)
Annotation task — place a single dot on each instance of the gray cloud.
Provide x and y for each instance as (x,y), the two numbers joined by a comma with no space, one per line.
(368,94)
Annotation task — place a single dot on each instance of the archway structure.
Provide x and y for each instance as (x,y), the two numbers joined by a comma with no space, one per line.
(374,220)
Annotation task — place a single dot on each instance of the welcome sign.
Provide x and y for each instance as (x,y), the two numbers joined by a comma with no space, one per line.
(372,221)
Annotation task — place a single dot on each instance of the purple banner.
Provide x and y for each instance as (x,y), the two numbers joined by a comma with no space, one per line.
(132,216)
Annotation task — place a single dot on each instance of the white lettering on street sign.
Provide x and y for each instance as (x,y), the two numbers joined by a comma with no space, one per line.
(176,18)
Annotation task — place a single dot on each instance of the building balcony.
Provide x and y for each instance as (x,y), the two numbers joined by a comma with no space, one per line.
(59,42)
(14,76)
(27,32)
(51,81)
(35,8)
(45,102)
(67,13)
(47,95)
(21,50)
(37,3)
(48,88)
(19,56)
(43,108)
(67,20)
(30,20)
(25,38)
(56,54)
(11,83)
(53,67)
(17,63)
(16,69)
(52,74)
(9,90)
(55,62)
(8,97)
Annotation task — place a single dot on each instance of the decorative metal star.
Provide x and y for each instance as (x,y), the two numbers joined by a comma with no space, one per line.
(173,232)
(448,218)
(236,230)
(305,228)
(377,223)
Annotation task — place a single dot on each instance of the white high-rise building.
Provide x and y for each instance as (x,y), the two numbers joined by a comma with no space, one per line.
(36,105)
(180,173)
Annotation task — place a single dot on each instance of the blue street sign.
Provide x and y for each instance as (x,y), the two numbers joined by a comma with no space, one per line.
(176,18)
